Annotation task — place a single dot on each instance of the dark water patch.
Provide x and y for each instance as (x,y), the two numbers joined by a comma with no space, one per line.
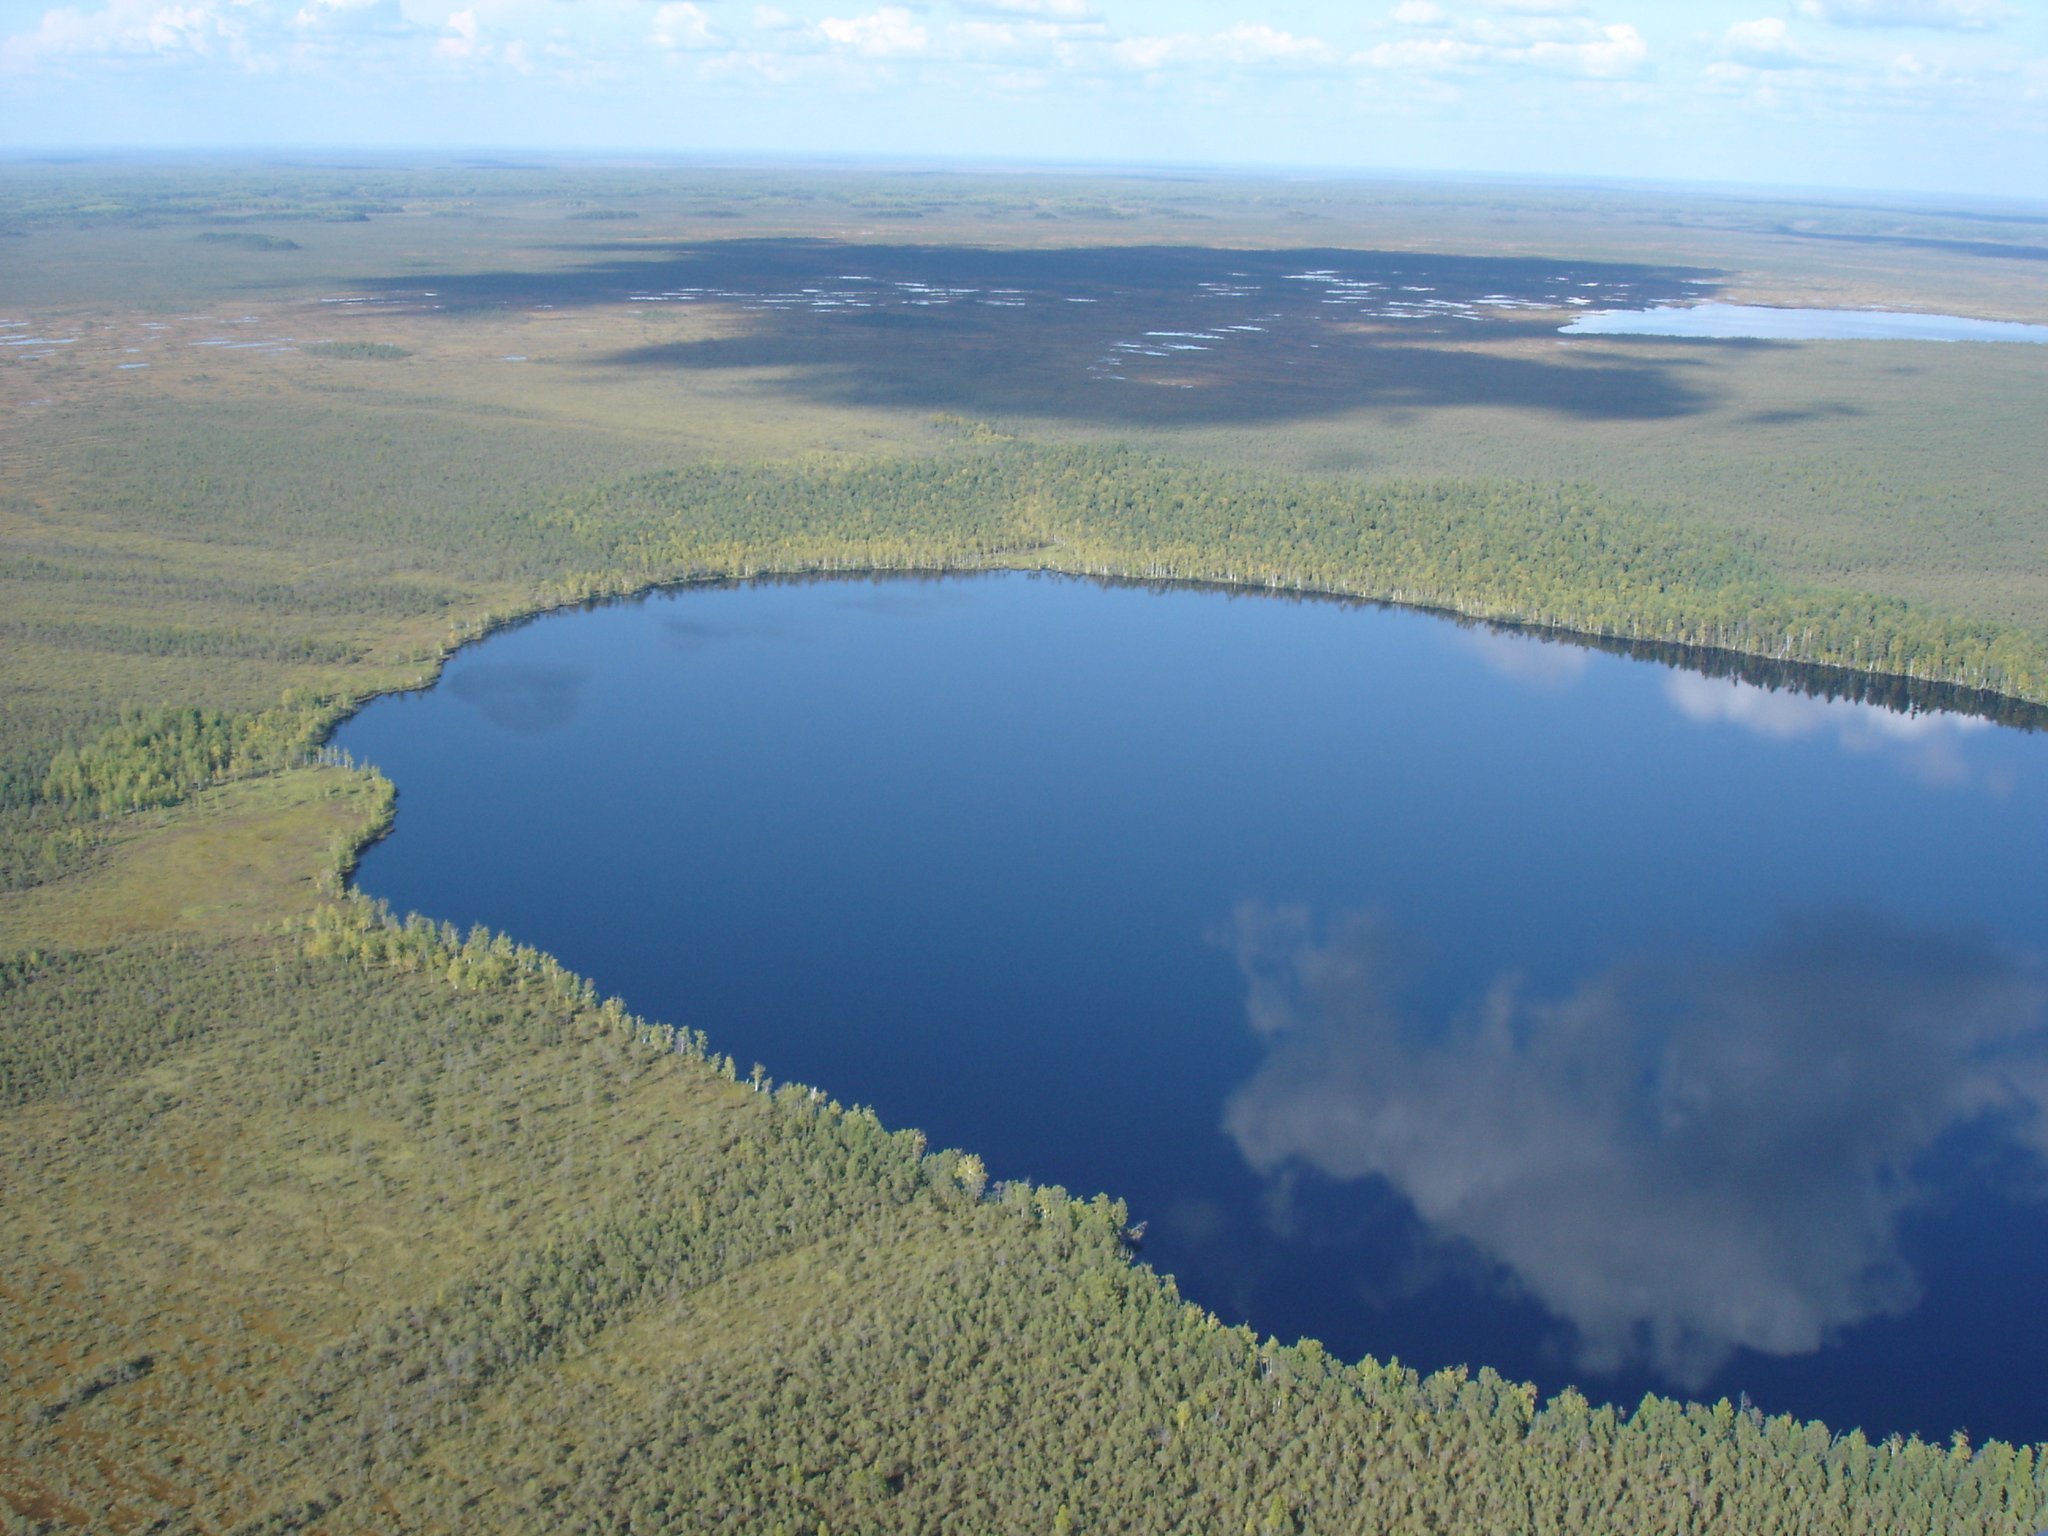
(1435,990)
(1764,323)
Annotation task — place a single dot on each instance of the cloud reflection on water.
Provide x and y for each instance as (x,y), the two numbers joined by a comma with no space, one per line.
(1680,1158)
(1528,658)
(1928,744)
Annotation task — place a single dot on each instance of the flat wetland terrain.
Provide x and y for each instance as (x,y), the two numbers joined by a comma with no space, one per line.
(319,1221)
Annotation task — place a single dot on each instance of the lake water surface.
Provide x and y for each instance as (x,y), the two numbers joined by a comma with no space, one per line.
(1439,992)
(1763,322)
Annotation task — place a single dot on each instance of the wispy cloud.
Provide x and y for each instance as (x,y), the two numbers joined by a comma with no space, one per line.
(1817,90)
(888,33)
(352,16)
(1534,659)
(1037,10)
(1421,13)
(684,26)
(1765,43)
(1941,15)
(1547,38)
(131,29)
(1246,44)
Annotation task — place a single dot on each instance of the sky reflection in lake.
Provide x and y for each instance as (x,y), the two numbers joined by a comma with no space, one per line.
(1608,1022)
(1682,1156)
(1929,745)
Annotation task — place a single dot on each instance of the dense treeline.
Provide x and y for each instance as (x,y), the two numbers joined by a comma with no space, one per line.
(1557,555)
(160,757)
(730,1305)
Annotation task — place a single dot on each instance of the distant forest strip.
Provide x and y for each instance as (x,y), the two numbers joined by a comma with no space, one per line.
(1560,556)
(1569,556)
(484,1251)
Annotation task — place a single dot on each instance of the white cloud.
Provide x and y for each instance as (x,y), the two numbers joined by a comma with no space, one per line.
(1943,15)
(1618,50)
(133,28)
(1529,658)
(1422,55)
(461,38)
(888,33)
(1020,80)
(1420,13)
(316,11)
(1542,37)
(682,26)
(1766,43)
(1043,10)
(768,66)
(1257,43)
(1248,43)
(980,39)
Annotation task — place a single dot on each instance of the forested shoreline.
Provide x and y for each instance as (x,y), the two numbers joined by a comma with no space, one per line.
(681,1296)
(1558,558)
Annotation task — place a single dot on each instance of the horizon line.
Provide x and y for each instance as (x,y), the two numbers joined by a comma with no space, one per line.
(488,156)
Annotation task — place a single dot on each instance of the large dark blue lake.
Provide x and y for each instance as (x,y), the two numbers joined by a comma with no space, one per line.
(1442,993)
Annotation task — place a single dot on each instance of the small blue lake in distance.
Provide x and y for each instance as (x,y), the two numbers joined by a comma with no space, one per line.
(1758,322)
(1457,995)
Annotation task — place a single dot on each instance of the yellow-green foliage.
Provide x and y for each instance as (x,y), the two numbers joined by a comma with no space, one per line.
(470,1249)
(161,757)
(1560,555)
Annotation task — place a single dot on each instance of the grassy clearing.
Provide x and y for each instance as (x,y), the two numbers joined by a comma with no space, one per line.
(227,861)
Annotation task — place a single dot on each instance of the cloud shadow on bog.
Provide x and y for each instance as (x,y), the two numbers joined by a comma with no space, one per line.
(1683,1157)
(1249,336)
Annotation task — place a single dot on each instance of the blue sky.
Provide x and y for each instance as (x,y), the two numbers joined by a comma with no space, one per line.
(1935,95)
